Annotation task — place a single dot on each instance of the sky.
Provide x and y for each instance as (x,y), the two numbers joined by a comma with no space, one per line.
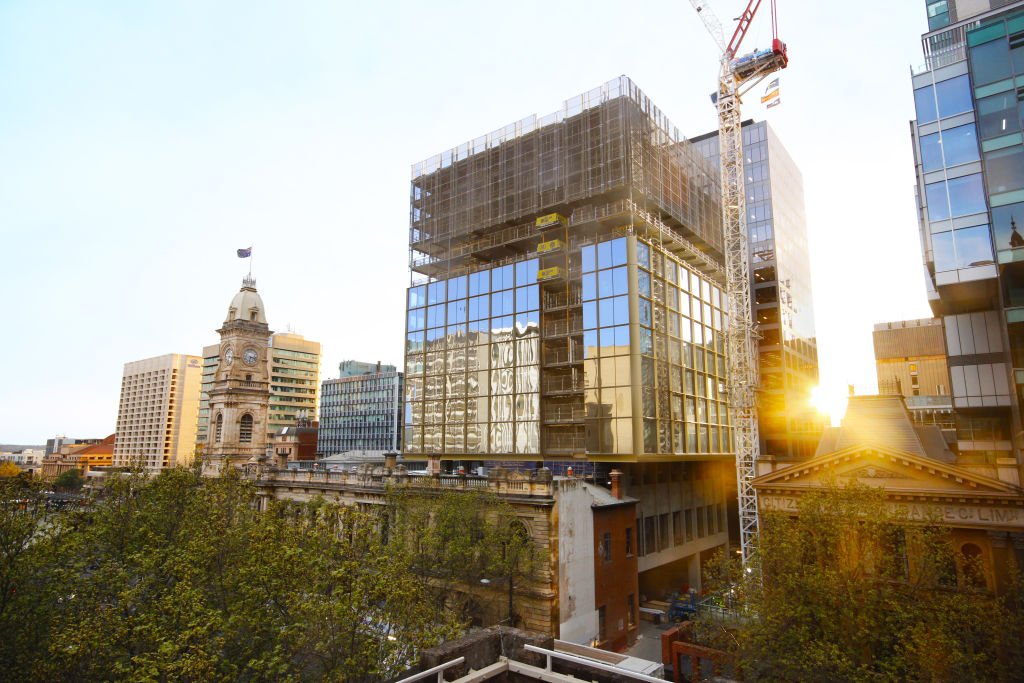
(142,143)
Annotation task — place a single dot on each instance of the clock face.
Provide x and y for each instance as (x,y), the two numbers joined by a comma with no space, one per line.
(250,356)
(229,356)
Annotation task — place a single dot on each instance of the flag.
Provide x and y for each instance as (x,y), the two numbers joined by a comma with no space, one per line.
(771,93)
(773,104)
(245,253)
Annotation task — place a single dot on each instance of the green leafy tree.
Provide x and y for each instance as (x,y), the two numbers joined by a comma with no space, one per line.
(70,481)
(182,578)
(462,540)
(851,591)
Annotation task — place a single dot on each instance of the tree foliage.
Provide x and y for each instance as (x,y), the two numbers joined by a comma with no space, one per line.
(182,578)
(460,541)
(9,469)
(69,480)
(851,591)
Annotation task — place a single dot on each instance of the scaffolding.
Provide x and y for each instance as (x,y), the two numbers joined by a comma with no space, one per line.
(476,203)
(607,164)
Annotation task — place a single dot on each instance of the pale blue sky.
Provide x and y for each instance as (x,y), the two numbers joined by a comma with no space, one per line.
(141,143)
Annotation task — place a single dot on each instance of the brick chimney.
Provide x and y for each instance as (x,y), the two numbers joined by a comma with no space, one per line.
(616,476)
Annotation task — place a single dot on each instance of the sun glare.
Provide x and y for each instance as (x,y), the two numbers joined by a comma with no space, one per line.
(829,401)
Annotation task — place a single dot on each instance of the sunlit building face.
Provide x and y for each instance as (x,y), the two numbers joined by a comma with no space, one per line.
(652,359)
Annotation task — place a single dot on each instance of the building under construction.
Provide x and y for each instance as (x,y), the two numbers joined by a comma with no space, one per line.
(567,309)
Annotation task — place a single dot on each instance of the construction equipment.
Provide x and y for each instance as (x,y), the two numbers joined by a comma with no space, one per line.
(736,77)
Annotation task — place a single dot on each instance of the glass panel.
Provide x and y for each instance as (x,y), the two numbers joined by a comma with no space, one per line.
(604,255)
(479,308)
(972,247)
(417,296)
(457,311)
(589,255)
(501,278)
(959,145)
(938,203)
(966,195)
(416,319)
(526,272)
(643,254)
(924,102)
(997,115)
(990,62)
(645,312)
(942,248)
(953,95)
(1004,169)
(1007,222)
(605,283)
(480,283)
(527,299)
(618,251)
(457,288)
(589,286)
(435,292)
(589,316)
(620,280)
(644,283)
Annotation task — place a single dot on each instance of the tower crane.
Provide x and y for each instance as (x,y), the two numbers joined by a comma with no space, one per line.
(737,75)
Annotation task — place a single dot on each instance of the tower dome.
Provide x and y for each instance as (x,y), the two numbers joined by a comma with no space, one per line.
(247,304)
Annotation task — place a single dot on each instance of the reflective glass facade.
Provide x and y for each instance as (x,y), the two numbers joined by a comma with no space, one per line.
(566,300)
(780,292)
(970,161)
(361,413)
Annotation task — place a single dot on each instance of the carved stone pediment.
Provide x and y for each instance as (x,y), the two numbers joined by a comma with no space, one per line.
(895,470)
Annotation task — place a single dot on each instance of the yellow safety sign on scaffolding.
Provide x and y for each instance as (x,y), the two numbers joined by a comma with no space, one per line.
(545,247)
(548,273)
(550,220)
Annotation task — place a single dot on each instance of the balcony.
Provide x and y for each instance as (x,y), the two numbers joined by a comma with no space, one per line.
(556,357)
(563,414)
(568,384)
(561,328)
(565,443)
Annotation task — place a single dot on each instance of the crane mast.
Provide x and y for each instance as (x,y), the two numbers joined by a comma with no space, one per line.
(737,76)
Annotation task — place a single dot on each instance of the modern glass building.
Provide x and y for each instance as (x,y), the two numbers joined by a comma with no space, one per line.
(567,310)
(970,165)
(361,411)
(780,273)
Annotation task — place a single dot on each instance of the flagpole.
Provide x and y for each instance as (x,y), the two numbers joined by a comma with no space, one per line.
(250,261)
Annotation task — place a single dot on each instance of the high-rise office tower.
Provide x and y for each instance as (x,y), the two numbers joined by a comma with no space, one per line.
(294,379)
(780,285)
(969,155)
(156,419)
(567,309)
(361,410)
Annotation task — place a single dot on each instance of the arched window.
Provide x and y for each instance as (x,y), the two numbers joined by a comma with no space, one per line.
(245,429)
(219,431)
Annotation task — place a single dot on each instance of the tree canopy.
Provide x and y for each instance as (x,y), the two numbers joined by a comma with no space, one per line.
(851,591)
(181,578)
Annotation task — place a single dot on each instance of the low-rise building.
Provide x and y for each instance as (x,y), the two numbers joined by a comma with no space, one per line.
(584,590)
(879,445)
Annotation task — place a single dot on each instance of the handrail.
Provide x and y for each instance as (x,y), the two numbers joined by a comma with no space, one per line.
(551,654)
(439,670)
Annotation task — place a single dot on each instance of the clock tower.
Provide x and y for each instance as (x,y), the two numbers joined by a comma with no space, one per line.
(240,396)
